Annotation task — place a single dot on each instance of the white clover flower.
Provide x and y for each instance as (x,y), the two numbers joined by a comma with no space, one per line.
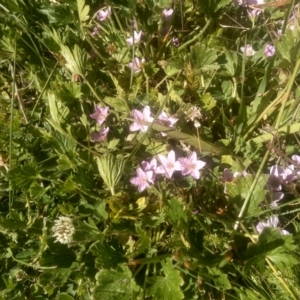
(63,230)
(193,113)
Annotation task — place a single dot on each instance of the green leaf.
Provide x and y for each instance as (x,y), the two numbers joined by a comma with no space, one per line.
(87,231)
(220,279)
(109,255)
(202,58)
(176,214)
(285,45)
(273,245)
(110,169)
(58,111)
(166,287)
(23,177)
(56,277)
(64,296)
(208,102)
(75,60)
(115,285)
(83,10)
(64,163)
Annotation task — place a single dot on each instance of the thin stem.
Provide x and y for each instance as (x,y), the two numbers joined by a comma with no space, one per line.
(196,37)
(44,88)
(257,177)
(286,95)
(13,70)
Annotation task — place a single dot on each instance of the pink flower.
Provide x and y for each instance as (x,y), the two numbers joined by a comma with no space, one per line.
(228,176)
(278,175)
(104,14)
(100,114)
(248,50)
(269,50)
(253,13)
(100,137)
(135,39)
(191,166)
(141,116)
(175,41)
(150,166)
(142,179)
(136,65)
(276,197)
(272,222)
(167,121)
(168,164)
(167,13)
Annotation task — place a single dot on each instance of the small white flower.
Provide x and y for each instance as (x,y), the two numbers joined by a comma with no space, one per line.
(248,50)
(63,230)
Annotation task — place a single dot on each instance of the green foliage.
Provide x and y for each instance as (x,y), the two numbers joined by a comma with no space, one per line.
(116,284)
(74,224)
(167,286)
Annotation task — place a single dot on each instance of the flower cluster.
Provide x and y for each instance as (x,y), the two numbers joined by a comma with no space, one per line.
(146,174)
(63,230)
(100,114)
(194,114)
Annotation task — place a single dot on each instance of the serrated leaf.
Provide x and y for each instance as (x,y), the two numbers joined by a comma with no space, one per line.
(83,10)
(109,255)
(58,111)
(57,277)
(87,231)
(114,285)
(64,163)
(110,169)
(23,177)
(166,287)
(202,58)
(273,245)
(75,60)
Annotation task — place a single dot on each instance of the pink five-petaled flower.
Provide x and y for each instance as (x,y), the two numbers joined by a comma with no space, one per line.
(100,114)
(269,50)
(168,164)
(104,14)
(135,39)
(272,222)
(142,179)
(248,50)
(100,137)
(191,166)
(136,65)
(167,121)
(141,116)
